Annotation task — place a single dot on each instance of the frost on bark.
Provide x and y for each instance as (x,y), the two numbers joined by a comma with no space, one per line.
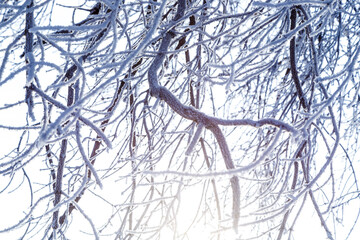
(171,119)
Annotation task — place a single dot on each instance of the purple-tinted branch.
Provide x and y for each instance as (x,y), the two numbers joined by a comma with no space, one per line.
(53,126)
(191,113)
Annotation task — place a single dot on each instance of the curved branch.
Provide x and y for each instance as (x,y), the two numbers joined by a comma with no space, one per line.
(294,72)
(66,109)
(191,113)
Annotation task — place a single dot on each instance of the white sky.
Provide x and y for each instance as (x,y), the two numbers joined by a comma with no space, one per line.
(16,200)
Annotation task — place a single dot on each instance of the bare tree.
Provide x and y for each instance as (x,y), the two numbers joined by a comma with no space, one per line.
(159,119)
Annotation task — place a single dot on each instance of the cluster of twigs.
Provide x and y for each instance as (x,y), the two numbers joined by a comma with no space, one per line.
(135,107)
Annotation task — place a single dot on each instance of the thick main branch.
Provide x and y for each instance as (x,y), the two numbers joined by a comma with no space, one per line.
(294,72)
(191,113)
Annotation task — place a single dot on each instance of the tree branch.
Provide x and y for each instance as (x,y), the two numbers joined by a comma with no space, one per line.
(294,72)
